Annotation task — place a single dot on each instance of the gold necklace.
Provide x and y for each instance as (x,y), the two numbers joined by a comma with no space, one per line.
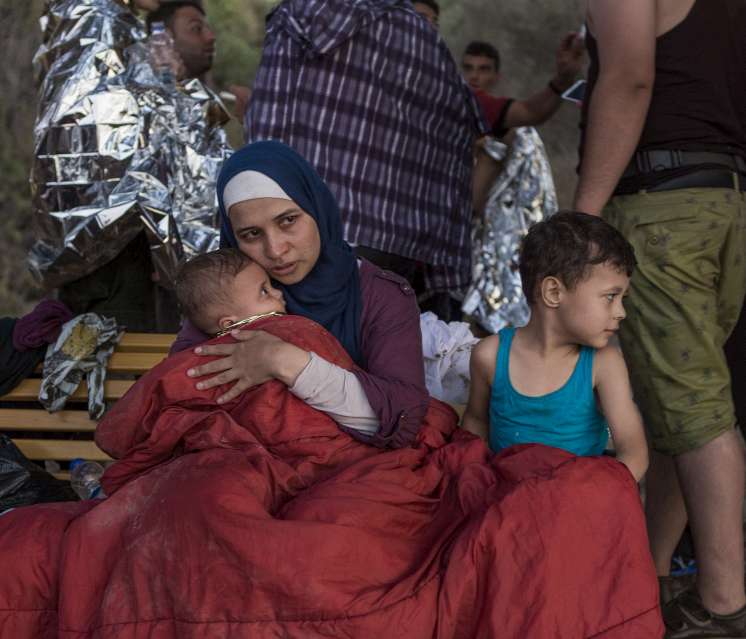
(246,321)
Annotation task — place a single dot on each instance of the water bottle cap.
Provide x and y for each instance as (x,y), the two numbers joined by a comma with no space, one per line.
(157,27)
(74,463)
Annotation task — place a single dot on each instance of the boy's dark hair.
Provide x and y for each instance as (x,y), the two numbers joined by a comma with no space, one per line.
(477,47)
(198,283)
(430,3)
(166,10)
(566,245)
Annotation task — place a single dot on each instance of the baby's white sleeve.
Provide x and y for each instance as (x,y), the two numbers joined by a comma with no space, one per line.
(336,392)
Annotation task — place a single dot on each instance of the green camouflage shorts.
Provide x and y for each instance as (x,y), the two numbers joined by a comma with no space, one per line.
(685,298)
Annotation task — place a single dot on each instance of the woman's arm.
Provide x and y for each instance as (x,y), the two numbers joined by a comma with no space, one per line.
(625,423)
(394,369)
(188,336)
(338,393)
(256,357)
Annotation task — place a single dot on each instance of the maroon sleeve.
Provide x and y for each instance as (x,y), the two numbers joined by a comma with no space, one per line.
(189,335)
(394,371)
(494,110)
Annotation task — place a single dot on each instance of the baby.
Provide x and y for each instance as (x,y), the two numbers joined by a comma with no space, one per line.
(557,381)
(224,289)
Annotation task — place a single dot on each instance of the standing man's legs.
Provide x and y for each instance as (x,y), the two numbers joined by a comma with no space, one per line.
(712,482)
(735,353)
(685,298)
(665,511)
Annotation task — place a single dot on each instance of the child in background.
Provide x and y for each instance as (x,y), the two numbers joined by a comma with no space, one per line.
(225,289)
(557,381)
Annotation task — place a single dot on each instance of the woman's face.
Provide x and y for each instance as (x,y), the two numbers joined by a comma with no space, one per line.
(277,234)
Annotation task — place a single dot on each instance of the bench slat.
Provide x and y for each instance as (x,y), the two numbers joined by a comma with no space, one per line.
(41,420)
(37,449)
(145,343)
(131,363)
(28,390)
(137,363)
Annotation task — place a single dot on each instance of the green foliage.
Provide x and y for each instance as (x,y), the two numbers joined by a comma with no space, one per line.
(20,33)
(239,27)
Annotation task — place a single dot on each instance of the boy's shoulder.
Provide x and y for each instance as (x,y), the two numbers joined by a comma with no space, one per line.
(484,353)
(608,362)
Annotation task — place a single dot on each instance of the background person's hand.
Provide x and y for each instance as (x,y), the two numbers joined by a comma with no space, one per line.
(255,357)
(570,58)
(243,95)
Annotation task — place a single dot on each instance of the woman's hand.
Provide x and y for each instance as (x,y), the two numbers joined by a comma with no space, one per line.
(254,358)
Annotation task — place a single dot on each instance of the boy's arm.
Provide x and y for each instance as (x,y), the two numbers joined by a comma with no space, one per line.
(481,367)
(625,423)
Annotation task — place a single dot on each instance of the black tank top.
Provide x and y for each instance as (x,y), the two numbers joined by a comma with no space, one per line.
(699,95)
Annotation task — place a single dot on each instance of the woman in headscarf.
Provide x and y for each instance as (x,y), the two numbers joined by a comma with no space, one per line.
(276,209)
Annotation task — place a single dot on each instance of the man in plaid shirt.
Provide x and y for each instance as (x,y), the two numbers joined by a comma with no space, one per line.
(368,92)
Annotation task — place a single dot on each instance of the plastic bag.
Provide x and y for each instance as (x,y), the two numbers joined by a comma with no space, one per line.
(446,349)
(23,483)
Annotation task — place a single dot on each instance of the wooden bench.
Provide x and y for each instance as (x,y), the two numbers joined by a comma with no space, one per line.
(68,433)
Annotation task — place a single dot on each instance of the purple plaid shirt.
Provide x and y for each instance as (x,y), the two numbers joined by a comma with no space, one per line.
(368,93)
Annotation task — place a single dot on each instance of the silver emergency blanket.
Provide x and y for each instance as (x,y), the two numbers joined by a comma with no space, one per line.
(82,349)
(117,151)
(522,195)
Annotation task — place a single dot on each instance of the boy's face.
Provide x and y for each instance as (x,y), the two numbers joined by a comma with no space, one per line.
(251,293)
(480,72)
(592,311)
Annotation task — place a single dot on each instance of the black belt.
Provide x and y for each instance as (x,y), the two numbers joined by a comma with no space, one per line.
(705,178)
(661,160)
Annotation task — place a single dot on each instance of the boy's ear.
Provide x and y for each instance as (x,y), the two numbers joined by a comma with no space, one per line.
(551,291)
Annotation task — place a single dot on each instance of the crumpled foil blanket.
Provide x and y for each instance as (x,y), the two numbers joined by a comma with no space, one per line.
(522,195)
(117,151)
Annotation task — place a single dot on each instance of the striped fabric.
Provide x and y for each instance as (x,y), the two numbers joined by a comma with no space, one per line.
(368,92)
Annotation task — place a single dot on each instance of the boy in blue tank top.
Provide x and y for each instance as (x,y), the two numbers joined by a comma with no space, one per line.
(557,381)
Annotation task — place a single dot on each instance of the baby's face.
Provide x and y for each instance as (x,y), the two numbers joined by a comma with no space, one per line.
(252,294)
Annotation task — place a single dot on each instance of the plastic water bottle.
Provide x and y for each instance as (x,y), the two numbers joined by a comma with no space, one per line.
(85,478)
(166,61)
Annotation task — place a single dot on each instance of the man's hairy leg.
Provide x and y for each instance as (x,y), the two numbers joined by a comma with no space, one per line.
(665,511)
(712,482)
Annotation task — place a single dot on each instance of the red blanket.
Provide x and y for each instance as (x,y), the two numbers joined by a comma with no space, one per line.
(260,518)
